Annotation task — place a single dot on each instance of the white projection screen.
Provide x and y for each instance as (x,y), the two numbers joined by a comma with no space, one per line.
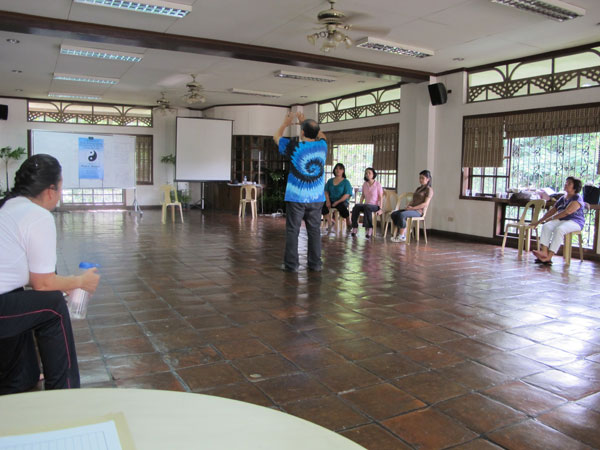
(203,149)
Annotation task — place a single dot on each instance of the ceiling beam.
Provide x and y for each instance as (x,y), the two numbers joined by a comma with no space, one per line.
(104,34)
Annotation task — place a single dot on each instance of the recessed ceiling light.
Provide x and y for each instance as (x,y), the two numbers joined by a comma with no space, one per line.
(170,9)
(16,71)
(12,41)
(258,93)
(458,59)
(304,76)
(85,78)
(74,96)
(393,47)
(552,9)
(113,55)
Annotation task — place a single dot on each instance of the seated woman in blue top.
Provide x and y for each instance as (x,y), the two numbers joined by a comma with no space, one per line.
(337,195)
(564,217)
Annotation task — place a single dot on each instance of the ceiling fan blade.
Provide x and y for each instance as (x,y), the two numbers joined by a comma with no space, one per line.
(356,16)
(375,30)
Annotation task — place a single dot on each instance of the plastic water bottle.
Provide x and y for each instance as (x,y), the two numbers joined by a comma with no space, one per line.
(79,298)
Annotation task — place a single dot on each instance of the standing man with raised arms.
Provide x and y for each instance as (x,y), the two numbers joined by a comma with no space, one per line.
(305,191)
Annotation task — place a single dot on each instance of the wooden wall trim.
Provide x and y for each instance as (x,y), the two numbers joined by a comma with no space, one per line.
(99,34)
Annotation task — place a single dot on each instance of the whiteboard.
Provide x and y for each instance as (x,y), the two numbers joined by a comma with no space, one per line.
(119,158)
(203,151)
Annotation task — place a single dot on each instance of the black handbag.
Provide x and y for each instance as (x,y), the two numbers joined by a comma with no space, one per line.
(591,194)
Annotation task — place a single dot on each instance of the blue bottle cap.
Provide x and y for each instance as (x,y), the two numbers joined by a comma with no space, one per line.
(88,265)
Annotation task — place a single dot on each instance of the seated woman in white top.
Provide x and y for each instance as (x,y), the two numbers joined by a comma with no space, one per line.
(28,257)
(564,217)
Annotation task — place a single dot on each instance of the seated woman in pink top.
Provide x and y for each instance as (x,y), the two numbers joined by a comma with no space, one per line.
(372,196)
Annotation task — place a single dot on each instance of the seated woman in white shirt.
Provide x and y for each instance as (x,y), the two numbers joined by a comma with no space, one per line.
(28,257)
(564,217)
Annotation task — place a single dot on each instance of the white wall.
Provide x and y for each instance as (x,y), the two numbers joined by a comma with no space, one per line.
(13,132)
(251,120)
(472,216)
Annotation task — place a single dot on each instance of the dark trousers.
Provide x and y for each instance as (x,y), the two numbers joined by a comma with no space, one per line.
(399,217)
(43,314)
(341,207)
(367,210)
(295,213)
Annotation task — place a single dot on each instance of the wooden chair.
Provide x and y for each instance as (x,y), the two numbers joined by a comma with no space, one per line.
(524,229)
(567,246)
(170,199)
(248,194)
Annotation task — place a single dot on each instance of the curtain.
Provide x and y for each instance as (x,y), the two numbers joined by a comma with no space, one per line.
(383,138)
(483,144)
(550,123)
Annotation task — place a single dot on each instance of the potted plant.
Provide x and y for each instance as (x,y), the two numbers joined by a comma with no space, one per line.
(184,197)
(7,154)
(169,159)
(274,197)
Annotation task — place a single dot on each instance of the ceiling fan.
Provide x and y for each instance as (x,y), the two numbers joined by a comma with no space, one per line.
(162,104)
(194,92)
(333,27)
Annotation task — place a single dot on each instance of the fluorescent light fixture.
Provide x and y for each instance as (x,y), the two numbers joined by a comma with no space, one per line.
(74,96)
(113,55)
(393,47)
(85,78)
(552,9)
(259,93)
(304,76)
(170,9)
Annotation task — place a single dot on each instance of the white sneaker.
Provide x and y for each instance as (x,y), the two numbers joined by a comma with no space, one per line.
(399,239)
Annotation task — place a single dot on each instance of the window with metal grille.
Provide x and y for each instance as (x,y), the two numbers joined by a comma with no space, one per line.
(56,111)
(541,162)
(358,149)
(579,69)
(377,102)
(143,159)
(93,197)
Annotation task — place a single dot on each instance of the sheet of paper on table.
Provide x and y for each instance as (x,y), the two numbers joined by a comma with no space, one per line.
(98,436)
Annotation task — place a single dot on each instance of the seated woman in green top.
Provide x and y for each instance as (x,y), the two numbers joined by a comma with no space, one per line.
(337,195)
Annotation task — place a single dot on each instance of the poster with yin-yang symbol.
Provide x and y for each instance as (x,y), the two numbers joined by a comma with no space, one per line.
(91,158)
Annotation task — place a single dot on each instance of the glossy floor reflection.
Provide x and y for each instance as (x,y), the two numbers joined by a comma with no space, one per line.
(445,345)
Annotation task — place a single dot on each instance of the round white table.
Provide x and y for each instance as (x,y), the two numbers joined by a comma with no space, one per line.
(166,420)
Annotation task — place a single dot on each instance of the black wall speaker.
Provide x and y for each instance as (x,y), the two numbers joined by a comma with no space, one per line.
(3,112)
(438,94)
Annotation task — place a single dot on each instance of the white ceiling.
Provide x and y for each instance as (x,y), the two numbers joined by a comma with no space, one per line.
(477,30)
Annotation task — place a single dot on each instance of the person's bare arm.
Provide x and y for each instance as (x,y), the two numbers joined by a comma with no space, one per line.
(573,206)
(88,281)
(420,206)
(321,135)
(286,123)
(545,217)
(342,199)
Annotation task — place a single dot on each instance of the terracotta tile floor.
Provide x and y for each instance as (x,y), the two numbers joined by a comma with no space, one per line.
(446,345)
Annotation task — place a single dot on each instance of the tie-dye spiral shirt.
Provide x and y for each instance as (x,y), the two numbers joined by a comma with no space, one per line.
(306,180)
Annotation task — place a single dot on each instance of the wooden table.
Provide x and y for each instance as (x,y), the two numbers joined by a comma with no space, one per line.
(166,420)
